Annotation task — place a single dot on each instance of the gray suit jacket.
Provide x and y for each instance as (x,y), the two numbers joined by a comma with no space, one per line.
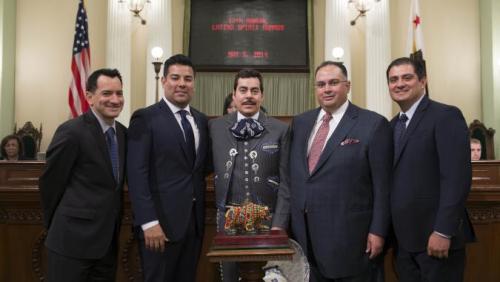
(272,157)
(81,200)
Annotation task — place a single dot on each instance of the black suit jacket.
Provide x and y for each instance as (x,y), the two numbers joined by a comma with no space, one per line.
(432,178)
(81,199)
(347,195)
(162,182)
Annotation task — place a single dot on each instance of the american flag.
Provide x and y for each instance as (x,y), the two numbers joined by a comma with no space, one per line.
(80,64)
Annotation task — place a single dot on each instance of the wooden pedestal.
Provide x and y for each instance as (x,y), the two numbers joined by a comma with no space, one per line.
(251,261)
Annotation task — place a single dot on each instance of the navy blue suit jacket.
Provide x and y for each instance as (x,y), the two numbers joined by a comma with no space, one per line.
(347,195)
(162,182)
(432,178)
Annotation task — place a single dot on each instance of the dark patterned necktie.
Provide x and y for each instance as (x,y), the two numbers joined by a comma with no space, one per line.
(247,128)
(399,132)
(188,135)
(113,150)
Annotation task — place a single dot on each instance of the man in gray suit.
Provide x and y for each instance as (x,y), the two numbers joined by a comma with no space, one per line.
(250,155)
(341,160)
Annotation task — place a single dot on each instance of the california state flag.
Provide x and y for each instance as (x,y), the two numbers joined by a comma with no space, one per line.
(415,41)
(415,37)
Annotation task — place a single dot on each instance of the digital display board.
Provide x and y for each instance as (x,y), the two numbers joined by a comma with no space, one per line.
(263,34)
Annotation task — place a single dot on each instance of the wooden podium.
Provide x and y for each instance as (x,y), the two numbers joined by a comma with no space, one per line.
(251,252)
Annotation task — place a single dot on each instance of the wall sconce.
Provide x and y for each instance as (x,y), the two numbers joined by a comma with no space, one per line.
(157,54)
(338,53)
(136,7)
(362,6)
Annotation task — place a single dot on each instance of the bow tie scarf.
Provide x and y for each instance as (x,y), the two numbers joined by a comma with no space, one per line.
(246,129)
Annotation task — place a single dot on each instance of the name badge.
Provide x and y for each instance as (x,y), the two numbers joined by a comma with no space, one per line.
(270,148)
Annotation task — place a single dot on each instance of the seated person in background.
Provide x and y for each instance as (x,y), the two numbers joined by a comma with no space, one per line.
(229,106)
(12,148)
(475,149)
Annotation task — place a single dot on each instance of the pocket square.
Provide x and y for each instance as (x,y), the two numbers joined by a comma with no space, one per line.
(349,141)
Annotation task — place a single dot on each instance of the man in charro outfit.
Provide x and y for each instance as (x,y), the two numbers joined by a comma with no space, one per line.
(250,157)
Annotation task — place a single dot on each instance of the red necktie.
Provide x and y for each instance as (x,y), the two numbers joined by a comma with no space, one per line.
(319,141)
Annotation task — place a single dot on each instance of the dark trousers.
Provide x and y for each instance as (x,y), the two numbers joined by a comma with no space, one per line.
(179,260)
(374,274)
(316,276)
(419,267)
(63,268)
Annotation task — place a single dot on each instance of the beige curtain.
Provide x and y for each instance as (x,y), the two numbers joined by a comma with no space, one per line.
(284,93)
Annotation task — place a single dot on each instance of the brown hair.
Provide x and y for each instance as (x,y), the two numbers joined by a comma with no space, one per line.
(7,139)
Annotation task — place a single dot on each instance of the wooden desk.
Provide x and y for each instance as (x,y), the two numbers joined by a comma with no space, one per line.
(483,205)
(22,254)
(22,250)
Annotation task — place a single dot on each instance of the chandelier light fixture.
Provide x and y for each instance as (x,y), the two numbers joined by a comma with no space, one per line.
(362,6)
(136,7)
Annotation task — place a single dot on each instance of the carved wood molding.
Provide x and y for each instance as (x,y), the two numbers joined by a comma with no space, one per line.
(130,259)
(128,217)
(3,216)
(210,216)
(37,256)
(483,215)
(21,216)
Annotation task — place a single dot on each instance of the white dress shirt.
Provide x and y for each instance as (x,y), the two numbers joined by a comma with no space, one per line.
(411,111)
(189,117)
(334,122)
(240,116)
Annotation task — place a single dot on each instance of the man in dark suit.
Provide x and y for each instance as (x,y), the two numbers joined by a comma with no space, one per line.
(250,157)
(340,163)
(168,145)
(82,184)
(432,178)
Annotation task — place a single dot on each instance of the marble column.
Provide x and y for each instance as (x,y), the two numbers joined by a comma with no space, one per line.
(159,34)
(119,49)
(337,30)
(378,57)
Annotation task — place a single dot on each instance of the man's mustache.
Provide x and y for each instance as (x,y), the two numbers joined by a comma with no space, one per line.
(249,102)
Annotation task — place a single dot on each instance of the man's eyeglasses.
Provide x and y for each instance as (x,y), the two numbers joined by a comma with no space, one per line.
(332,83)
